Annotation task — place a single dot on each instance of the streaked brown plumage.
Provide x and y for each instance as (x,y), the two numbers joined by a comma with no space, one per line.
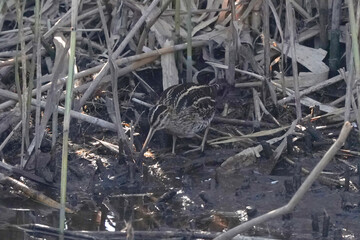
(183,110)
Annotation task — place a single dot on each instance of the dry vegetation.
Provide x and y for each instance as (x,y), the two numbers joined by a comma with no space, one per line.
(287,74)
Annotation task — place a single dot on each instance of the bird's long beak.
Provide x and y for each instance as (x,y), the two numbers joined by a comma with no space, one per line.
(147,140)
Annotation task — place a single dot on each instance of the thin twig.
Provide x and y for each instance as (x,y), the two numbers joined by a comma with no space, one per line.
(299,193)
(116,53)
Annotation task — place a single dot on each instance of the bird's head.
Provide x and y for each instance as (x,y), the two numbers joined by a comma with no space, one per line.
(158,117)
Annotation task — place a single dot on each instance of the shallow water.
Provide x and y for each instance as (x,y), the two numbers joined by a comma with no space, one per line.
(176,193)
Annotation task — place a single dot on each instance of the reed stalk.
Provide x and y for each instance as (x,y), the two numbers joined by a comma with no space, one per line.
(68,100)
(189,44)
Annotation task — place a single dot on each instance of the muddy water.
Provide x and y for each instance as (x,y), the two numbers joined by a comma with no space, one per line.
(178,193)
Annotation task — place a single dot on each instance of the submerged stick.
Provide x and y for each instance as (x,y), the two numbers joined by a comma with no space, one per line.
(32,193)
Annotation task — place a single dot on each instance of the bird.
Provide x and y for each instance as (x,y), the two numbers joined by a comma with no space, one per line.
(182,110)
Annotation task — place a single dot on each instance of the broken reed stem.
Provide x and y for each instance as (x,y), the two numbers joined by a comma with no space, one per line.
(65,20)
(122,61)
(148,25)
(122,138)
(50,109)
(300,10)
(11,61)
(291,29)
(7,139)
(256,105)
(116,53)
(74,114)
(299,193)
(78,115)
(313,88)
(138,61)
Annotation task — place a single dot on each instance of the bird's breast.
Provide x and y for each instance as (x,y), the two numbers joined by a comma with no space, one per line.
(187,123)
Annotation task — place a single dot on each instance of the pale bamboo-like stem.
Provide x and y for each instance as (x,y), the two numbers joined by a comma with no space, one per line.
(25,135)
(189,44)
(177,21)
(68,100)
(291,28)
(354,26)
(334,51)
(37,58)
(354,37)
